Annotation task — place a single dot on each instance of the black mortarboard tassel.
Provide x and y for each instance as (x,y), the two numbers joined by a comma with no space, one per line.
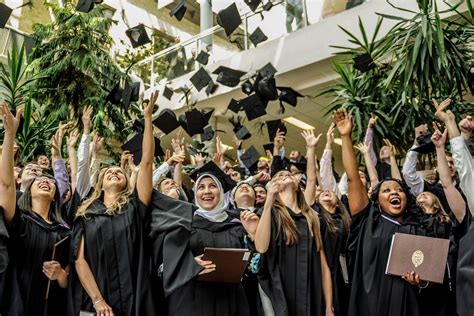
(137,35)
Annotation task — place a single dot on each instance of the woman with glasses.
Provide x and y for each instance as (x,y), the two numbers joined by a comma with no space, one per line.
(34,225)
(295,275)
(110,272)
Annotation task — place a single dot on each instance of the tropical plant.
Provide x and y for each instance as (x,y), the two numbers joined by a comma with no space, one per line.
(419,58)
(72,54)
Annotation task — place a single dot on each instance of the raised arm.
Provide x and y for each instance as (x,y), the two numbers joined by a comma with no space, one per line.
(59,167)
(71,141)
(277,161)
(7,180)
(145,174)
(412,178)
(364,149)
(357,193)
(369,137)
(311,143)
(453,196)
(395,171)
(264,228)
(328,181)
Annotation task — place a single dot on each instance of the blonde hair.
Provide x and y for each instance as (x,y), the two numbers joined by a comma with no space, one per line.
(439,212)
(287,224)
(116,207)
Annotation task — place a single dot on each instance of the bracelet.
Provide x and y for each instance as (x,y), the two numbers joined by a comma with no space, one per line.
(97,302)
(424,286)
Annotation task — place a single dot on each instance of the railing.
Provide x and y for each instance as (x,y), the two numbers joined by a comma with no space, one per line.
(10,36)
(179,59)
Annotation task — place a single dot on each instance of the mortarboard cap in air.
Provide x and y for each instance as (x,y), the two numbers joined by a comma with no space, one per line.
(168,93)
(115,95)
(200,79)
(425,144)
(247,87)
(288,95)
(269,147)
(253,4)
(227,76)
(250,158)
(267,6)
(166,121)
(206,116)
(253,107)
(273,126)
(212,169)
(137,35)
(5,13)
(364,62)
(266,88)
(202,58)
(134,146)
(211,87)
(257,37)
(241,132)
(179,10)
(267,71)
(229,19)
(194,122)
(234,106)
(84,6)
(208,134)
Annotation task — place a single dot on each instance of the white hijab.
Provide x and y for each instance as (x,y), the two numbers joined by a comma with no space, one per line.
(217,214)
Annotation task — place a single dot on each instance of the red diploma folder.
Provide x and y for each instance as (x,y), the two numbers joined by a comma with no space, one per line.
(230,264)
(425,255)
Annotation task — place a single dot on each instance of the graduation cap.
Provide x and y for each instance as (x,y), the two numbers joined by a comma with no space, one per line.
(130,93)
(267,6)
(208,134)
(206,116)
(253,4)
(250,158)
(115,95)
(364,62)
(240,131)
(200,79)
(227,76)
(212,169)
(134,146)
(253,107)
(267,71)
(229,19)
(288,95)
(300,164)
(5,12)
(179,10)
(139,126)
(273,126)
(211,88)
(85,6)
(137,35)
(257,37)
(234,106)
(192,122)
(269,147)
(202,58)
(166,121)
(167,93)
(247,87)
(266,88)
(425,144)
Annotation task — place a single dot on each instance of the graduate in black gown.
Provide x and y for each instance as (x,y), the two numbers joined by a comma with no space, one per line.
(213,227)
(335,223)
(111,265)
(34,224)
(373,224)
(439,299)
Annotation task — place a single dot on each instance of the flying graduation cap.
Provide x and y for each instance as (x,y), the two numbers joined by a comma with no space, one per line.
(257,37)
(168,93)
(166,121)
(200,79)
(253,107)
(179,10)
(273,126)
(253,4)
(227,76)
(137,35)
(364,62)
(202,57)
(240,131)
(134,146)
(5,13)
(229,19)
(289,95)
(234,106)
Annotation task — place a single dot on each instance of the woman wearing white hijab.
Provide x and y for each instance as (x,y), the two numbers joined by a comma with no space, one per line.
(213,227)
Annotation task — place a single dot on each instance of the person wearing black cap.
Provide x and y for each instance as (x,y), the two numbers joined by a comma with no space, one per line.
(110,275)
(288,230)
(34,225)
(213,227)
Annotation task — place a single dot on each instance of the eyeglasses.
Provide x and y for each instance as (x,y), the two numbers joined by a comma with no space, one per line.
(43,178)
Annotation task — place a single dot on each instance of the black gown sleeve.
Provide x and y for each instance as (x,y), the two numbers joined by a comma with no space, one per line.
(3,245)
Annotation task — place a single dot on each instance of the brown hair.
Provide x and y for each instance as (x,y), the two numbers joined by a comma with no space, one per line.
(341,209)
(439,212)
(287,224)
(116,207)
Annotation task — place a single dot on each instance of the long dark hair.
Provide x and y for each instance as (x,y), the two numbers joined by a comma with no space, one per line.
(331,222)
(24,203)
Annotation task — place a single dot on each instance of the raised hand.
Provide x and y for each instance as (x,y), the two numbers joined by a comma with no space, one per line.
(373,120)
(440,113)
(273,190)
(148,107)
(199,159)
(124,159)
(86,119)
(131,164)
(343,122)
(466,126)
(279,139)
(237,142)
(97,144)
(250,222)
(262,176)
(220,147)
(439,138)
(420,130)
(330,134)
(10,122)
(363,148)
(311,140)
(177,143)
(393,150)
(72,138)
(176,158)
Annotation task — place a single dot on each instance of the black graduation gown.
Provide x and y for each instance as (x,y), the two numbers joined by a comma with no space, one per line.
(335,246)
(31,243)
(291,276)
(198,298)
(3,254)
(115,250)
(373,292)
(465,274)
